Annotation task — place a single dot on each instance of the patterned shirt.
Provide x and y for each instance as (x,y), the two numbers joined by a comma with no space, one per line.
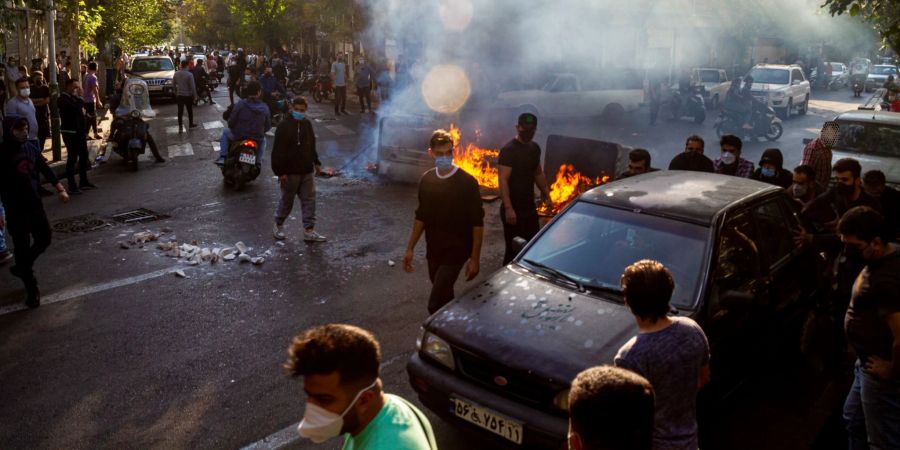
(818,156)
(744,168)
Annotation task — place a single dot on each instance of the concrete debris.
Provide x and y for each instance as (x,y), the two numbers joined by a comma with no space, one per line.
(257,261)
(124,245)
(180,274)
(242,248)
(191,253)
(391,263)
(143,237)
(245,258)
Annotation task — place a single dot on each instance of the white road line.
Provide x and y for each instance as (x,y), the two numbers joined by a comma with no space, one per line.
(69,294)
(212,125)
(216,147)
(289,434)
(172,130)
(180,150)
(340,130)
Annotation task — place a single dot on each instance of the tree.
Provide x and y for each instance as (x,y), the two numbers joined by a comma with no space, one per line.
(133,23)
(884,15)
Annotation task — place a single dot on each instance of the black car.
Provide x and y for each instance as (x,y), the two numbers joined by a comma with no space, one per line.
(500,358)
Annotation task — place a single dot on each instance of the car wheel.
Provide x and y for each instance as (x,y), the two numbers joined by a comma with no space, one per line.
(613,113)
(804,107)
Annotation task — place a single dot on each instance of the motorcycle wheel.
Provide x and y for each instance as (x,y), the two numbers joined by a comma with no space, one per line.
(699,117)
(317,96)
(774,132)
(133,160)
(297,87)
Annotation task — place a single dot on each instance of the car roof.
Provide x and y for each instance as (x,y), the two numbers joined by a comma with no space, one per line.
(151,57)
(870,117)
(776,66)
(696,197)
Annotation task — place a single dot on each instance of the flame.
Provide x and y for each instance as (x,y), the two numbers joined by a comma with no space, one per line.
(476,161)
(568,185)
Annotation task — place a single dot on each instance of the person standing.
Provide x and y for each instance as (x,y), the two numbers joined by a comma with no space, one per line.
(5,255)
(40,97)
(804,188)
(872,325)
(25,216)
(185,95)
(692,158)
(91,99)
(731,163)
(655,92)
(520,169)
(12,74)
(817,153)
(771,169)
(451,215)
(22,106)
(296,163)
(340,366)
(339,78)
(365,78)
(671,352)
(639,161)
(610,408)
(72,128)
(875,184)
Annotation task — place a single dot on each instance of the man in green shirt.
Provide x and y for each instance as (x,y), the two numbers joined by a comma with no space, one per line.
(340,369)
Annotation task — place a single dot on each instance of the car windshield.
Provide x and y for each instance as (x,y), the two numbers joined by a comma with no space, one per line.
(885,70)
(770,76)
(871,138)
(709,76)
(593,245)
(152,65)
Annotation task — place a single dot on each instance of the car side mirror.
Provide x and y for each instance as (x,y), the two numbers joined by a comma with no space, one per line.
(736,300)
(518,243)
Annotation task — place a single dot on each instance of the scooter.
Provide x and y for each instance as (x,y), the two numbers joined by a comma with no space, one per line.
(214,79)
(764,123)
(322,88)
(302,83)
(279,107)
(204,92)
(241,163)
(130,136)
(688,105)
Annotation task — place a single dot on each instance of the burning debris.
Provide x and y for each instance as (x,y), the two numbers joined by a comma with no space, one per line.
(568,185)
(479,162)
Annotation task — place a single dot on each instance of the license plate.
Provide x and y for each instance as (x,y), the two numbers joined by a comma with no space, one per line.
(155,88)
(247,158)
(487,419)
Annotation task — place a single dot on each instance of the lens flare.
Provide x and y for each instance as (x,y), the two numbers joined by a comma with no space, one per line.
(456,14)
(446,88)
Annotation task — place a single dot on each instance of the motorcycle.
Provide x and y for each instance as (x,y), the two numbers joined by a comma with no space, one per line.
(204,92)
(688,105)
(859,84)
(838,82)
(130,136)
(302,82)
(242,163)
(764,123)
(322,88)
(214,79)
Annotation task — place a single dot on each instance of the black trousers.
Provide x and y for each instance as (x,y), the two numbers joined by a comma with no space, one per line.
(526,227)
(185,101)
(365,98)
(340,99)
(76,146)
(30,232)
(443,277)
(90,113)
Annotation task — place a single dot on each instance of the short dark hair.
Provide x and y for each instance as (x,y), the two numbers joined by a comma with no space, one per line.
(732,140)
(639,154)
(350,351)
(647,286)
(807,170)
(440,137)
(22,80)
(695,138)
(874,178)
(612,408)
(184,63)
(865,224)
(847,165)
(92,66)
(252,88)
(70,81)
(298,100)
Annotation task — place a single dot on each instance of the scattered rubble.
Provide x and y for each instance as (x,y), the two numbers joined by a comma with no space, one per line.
(391,263)
(192,253)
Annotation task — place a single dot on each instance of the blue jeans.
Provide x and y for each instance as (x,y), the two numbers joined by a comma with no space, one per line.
(228,137)
(872,412)
(3,230)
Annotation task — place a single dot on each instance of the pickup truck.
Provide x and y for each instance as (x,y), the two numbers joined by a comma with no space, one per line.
(567,95)
(715,83)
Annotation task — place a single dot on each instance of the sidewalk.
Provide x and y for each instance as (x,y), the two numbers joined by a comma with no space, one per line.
(59,167)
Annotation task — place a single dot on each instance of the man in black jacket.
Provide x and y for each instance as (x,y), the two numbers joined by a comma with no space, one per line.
(72,128)
(296,163)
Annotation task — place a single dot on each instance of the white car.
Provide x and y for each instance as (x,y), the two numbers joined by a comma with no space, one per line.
(714,81)
(878,75)
(783,87)
(568,96)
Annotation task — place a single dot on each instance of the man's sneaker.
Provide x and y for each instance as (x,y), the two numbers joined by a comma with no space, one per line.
(220,161)
(278,232)
(5,256)
(312,236)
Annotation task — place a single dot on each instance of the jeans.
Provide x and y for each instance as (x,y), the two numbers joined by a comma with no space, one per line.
(443,277)
(228,137)
(76,145)
(3,230)
(185,101)
(365,98)
(340,99)
(304,188)
(526,227)
(872,412)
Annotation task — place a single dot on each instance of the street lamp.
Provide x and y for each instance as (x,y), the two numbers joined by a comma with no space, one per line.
(54,85)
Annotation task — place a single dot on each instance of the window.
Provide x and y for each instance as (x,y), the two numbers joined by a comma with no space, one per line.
(869,138)
(739,259)
(770,76)
(709,76)
(796,75)
(152,65)
(777,243)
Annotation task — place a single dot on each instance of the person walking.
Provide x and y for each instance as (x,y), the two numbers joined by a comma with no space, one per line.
(451,215)
(25,216)
(185,95)
(339,78)
(340,365)
(365,78)
(520,170)
(72,128)
(91,99)
(296,163)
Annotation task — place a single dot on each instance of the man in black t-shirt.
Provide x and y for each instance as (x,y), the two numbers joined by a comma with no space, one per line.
(40,96)
(872,324)
(520,170)
(452,218)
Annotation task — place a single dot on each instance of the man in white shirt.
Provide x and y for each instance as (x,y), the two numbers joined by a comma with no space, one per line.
(339,78)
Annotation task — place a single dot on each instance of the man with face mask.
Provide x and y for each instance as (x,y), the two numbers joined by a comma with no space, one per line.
(340,368)
(249,119)
(770,169)
(72,128)
(40,97)
(296,163)
(25,217)
(872,324)
(804,188)
(451,215)
(22,106)
(731,163)
(520,170)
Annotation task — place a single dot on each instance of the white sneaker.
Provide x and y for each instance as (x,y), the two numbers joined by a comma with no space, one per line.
(278,232)
(312,236)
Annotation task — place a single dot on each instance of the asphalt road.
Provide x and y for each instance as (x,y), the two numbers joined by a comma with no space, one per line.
(124,354)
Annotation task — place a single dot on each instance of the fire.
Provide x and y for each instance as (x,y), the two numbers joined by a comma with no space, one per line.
(568,185)
(476,161)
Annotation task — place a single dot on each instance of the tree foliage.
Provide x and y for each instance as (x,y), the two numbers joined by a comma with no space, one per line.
(131,24)
(884,15)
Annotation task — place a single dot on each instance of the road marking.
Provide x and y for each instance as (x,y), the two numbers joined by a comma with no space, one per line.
(289,434)
(69,294)
(212,125)
(172,129)
(340,130)
(216,147)
(181,150)
(221,107)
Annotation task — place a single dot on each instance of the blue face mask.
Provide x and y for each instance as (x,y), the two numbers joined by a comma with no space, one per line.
(767,172)
(443,162)
(297,115)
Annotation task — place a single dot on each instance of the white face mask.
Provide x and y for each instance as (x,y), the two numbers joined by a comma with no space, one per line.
(24,92)
(729,158)
(320,424)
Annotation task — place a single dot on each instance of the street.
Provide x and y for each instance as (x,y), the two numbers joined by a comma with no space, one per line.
(123,353)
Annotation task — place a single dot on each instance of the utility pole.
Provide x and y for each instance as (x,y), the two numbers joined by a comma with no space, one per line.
(54,85)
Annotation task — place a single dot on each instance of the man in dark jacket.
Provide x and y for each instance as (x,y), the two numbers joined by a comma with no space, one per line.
(72,128)
(249,119)
(296,163)
(26,221)
(771,171)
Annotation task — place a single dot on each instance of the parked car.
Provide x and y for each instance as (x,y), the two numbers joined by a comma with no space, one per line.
(837,69)
(879,75)
(783,87)
(499,359)
(157,71)
(567,95)
(715,84)
(872,138)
